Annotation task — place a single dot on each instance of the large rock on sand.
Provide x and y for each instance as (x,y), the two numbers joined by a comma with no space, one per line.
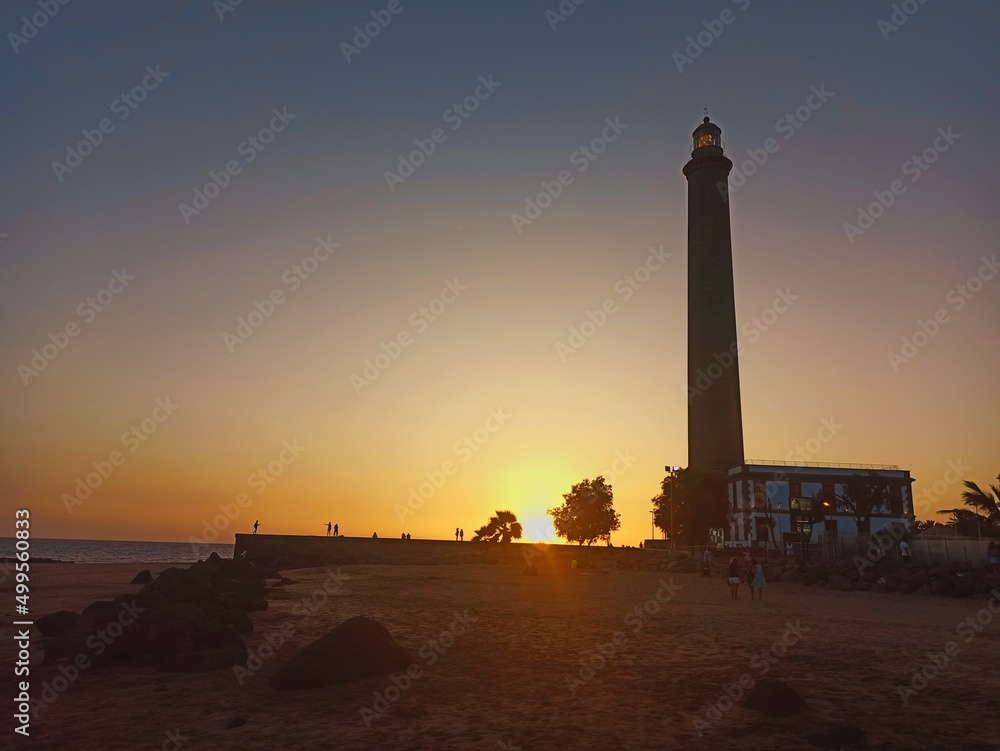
(775,698)
(57,623)
(356,648)
(143,577)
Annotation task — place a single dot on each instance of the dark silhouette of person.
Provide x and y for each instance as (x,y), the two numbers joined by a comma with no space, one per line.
(336,530)
(374,535)
(407,535)
(255,525)
(329,527)
(456,534)
(461,535)
(402,536)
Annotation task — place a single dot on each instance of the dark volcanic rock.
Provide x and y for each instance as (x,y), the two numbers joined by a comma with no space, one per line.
(238,619)
(106,632)
(918,579)
(143,577)
(58,623)
(775,698)
(181,620)
(964,587)
(356,648)
(886,584)
(839,582)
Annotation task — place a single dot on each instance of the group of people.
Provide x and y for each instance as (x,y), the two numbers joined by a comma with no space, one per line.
(749,570)
(332,529)
(459,534)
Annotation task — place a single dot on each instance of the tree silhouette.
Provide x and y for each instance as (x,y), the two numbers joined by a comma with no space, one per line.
(863,496)
(982,512)
(586,515)
(502,527)
(699,499)
(924,526)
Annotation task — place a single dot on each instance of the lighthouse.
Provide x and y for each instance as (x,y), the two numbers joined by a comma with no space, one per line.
(715,419)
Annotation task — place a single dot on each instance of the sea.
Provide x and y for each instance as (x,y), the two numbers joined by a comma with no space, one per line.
(114,551)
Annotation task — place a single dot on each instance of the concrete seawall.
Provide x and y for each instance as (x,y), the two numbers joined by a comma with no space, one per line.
(299,551)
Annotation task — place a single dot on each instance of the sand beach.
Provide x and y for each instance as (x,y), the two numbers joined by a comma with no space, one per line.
(575,659)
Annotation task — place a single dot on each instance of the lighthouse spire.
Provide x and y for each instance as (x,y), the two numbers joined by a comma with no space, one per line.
(715,421)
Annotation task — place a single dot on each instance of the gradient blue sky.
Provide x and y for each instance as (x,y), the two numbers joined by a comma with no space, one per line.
(495,346)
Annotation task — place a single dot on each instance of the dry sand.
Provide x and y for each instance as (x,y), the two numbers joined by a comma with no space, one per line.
(503,683)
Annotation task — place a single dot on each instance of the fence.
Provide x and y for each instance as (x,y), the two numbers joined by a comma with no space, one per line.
(966,552)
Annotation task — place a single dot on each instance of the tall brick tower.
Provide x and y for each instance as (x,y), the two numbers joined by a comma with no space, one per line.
(715,418)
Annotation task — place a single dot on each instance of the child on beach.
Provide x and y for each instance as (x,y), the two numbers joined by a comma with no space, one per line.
(757,582)
(734,578)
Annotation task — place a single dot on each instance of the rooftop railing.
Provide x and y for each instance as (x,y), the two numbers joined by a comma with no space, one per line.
(774,463)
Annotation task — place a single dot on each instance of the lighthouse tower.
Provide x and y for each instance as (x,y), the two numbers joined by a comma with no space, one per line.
(715,419)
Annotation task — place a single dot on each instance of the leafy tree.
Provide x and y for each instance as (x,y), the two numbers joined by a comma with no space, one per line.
(502,527)
(699,499)
(586,515)
(863,496)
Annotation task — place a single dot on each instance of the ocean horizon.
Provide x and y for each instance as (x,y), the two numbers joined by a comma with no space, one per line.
(114,551)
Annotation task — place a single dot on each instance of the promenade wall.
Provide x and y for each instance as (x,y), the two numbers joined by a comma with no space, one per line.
(306,550)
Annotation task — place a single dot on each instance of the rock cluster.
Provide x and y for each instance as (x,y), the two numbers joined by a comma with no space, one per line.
(183,620)
(950,578)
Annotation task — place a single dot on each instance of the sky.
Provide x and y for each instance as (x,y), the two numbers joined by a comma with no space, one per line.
(308,262)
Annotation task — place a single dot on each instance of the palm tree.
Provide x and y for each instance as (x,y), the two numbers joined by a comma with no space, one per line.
(923,526)
(987,502)
(970,520)
(502,527)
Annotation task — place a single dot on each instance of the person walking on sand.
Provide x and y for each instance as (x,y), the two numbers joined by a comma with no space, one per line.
(461,535)
(758,581)
(734,578)
(904,552)
(329,529)
(456,534)
(993,553)
(336,530)
(255,525)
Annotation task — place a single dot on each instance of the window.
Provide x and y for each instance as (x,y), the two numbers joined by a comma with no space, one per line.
(777,492)
(895,500)
(812,489)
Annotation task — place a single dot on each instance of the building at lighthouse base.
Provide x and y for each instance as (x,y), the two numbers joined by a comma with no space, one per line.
(775,504)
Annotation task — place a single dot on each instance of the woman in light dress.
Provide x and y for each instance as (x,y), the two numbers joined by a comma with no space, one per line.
(758,581)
